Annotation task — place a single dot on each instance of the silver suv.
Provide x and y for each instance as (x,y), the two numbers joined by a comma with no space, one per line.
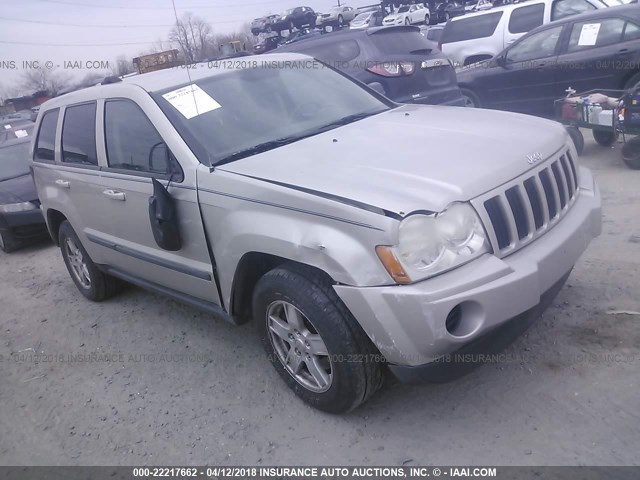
(279,190)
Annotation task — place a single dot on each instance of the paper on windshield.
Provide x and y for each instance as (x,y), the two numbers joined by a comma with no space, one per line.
(21,133)
(191,101)
(589,34)
(7,127)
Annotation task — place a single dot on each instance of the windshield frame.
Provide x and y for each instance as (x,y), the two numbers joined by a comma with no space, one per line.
(200,151)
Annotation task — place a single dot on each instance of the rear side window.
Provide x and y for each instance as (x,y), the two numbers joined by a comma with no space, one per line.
(564,8)
(331,52)
(79,135)
(434,34)
(390,42)
(525,19)
(470,28)
(45,145)
(631,32)
(132,141)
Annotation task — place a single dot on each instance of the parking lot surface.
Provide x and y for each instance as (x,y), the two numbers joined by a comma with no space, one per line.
(142,379)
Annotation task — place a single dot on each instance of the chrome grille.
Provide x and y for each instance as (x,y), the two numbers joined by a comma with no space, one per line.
(520,211)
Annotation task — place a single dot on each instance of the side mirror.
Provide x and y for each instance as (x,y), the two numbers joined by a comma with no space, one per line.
(164,218)
(501,60)
(159,158)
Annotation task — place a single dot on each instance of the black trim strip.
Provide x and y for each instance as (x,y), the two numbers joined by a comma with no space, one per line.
(299,210)
(208,307)
(150,258)
(329,196)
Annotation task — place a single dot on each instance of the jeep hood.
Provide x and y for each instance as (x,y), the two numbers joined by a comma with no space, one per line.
(411,158)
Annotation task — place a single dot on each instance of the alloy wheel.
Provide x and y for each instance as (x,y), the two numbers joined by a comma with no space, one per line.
(299,347)
(78,263)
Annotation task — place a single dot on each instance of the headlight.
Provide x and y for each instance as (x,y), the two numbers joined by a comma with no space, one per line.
(17,207)
(431,244)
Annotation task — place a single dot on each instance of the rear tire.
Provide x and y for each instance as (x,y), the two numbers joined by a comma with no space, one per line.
(604,137)
(340,21)
(317,338)
(631,153)
(407,21)
(577,138)
(426,20)
(471,100)
(92,283)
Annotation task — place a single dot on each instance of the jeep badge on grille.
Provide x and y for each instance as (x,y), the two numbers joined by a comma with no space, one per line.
(534,157)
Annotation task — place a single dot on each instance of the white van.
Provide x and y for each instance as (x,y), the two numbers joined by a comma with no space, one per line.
(479,36)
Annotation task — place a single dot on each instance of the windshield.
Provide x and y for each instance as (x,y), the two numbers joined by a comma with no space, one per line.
(361,17)
(403,9)
(14,161)
(287,12)
(262,105)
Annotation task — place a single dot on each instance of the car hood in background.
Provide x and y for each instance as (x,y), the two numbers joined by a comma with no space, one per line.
(394,16)
(414,157)
(19,189)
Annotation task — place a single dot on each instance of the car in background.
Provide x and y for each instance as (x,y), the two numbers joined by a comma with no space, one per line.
(408,15)
(480,36)
(432,34)
(19,131)
(300,35)
(263,24)
(367,19)
(444,11)
(21,220)
(597,50)
(478,6)
(295,18)
(337,17)
(267,44)
(395,61)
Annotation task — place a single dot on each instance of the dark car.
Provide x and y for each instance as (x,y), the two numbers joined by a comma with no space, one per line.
(20,217)
(301,35)
(263,24)
(598,50)
(396,61)
(295,18)
(443,11)
(268,44)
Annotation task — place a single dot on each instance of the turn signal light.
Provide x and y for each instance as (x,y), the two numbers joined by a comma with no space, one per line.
(391,263)
(392,69)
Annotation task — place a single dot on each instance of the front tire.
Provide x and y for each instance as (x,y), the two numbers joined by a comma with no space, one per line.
(340,21)
(407,21)
(92,283)
(313,341)
(426,20)
(577,138)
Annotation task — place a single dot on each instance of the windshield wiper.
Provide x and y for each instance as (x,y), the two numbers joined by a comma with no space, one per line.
(261,147)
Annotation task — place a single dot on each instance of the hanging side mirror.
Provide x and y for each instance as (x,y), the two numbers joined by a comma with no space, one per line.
(163,216)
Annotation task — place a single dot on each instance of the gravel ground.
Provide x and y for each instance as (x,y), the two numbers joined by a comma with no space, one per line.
(141,379)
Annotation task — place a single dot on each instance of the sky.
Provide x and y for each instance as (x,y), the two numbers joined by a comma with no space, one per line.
(80,36)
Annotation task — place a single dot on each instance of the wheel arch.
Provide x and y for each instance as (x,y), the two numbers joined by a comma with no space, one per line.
(54,220)
(251,267)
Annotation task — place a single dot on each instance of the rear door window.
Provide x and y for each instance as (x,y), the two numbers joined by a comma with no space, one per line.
(79,135)
(593,34)
(480,26)
(525,19)
(45,145)
(564,8)
(631,32)
(536,46)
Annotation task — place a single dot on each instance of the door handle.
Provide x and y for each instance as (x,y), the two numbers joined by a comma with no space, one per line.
(623,52)
(114,195)
(63,183)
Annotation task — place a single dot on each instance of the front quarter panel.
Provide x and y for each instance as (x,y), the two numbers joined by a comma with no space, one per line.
(242,215)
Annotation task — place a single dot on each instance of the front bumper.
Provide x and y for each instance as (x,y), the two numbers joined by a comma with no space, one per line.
(407,322)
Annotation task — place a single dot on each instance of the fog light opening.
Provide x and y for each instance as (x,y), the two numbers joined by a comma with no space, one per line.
(464,319)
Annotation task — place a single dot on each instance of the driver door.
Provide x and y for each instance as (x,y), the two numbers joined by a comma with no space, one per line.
(134,154)
(525,79)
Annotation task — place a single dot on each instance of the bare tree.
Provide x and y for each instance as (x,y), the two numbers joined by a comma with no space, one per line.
(44,79)
(122,66)
(192,36)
